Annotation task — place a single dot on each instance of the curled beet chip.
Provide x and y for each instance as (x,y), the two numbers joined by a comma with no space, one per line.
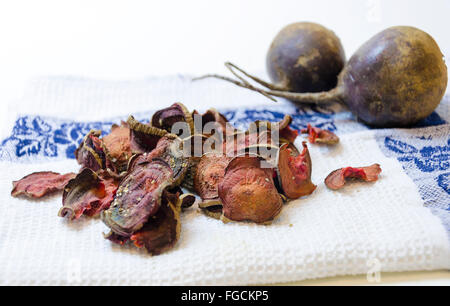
(294,171)
(143,137)
(176,113)
(138,197)
(39,184)
(90,153)
(286,133)
(162,230)
(317,135)
(210,171)
(336,179)
(212,208)
(116,146)
(117,239)
(210,122)
(169,150)
(248,192)
(87,194)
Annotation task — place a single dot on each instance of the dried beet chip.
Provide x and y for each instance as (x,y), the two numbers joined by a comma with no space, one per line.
(176,113)
(162,230)
(90,152)
(138,197)
(87,194)
(248,191)
(169,150)
(294,171)
(317,135)
(210,171)
(210,121)
(211,208)
(116,146)
(113,237)
(286,133)
(143,137)
(336,179)
(39,184)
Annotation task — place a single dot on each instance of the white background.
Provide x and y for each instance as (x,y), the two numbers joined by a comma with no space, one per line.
(135,39)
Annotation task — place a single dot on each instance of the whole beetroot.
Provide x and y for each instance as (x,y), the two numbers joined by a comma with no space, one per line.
(395,79)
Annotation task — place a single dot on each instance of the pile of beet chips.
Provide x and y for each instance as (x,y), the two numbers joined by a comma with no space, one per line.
(134,177)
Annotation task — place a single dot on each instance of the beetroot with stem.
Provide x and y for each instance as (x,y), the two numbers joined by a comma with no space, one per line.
(395,79)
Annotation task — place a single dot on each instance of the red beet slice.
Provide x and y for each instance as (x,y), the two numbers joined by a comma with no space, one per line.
(90,152)
(143,137)
(286,133)
(138,197)
(87,194)
(39,184)
(294,171)
(210,171)
(116,146)
(210,122)
(336,179)
(248,191)
(317,135)
(161,232)
(167,117)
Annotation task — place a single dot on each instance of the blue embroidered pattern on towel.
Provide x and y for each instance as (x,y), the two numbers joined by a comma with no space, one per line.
(425,156)
(35,138)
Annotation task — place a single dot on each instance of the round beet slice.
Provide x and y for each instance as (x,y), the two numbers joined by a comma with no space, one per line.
(248,192)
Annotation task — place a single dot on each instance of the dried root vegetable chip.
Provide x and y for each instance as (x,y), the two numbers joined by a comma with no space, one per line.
(336,179)
(117,239)
(87,194)
(116,146)
(210,171)
(169,150)
(317,135)
(90,152)
(212,208)
(294,171)
(210,121)
(248,192)
(162,230)
(176,113)
(39,184)
(286,133)
(138,197)
(143,137)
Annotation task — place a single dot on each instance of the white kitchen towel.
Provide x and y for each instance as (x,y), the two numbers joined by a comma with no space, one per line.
(396,224)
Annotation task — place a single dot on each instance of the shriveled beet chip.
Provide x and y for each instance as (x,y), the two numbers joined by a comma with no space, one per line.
(210,171)
(286,133)
(117,239)
(317,135)
(143,137)
(90,152)
(39,184)
(138,197)
(116,146)
(162,230)
(210,119)
(294,171)
(87,194)
(212,208)
(167,117)
(336,179)
(248,191)
(169,150)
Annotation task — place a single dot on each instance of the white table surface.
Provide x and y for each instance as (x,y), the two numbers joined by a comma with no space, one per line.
(133,39)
